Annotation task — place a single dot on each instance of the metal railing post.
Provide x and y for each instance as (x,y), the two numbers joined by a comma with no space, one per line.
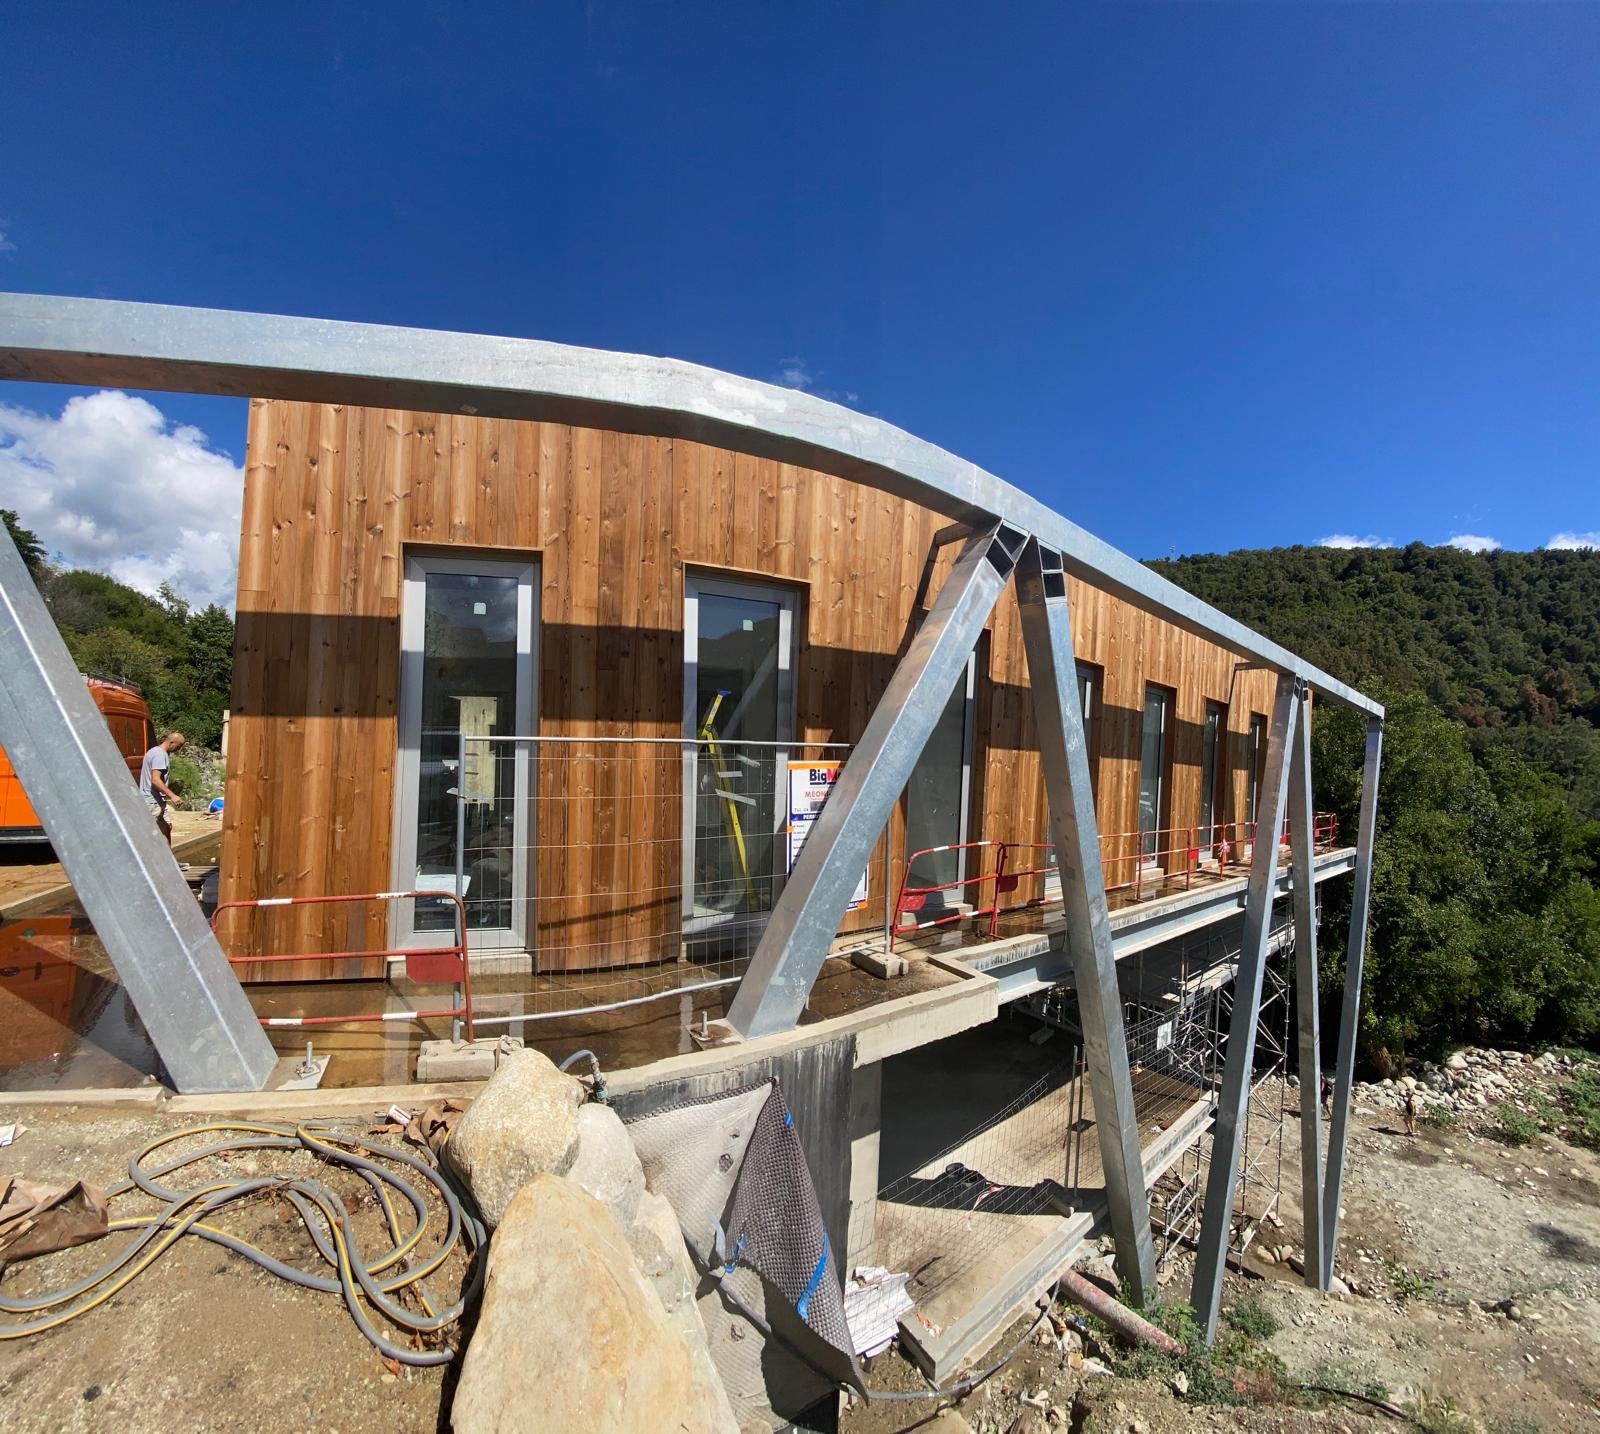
(461,865)
(1233,1103)
(1064,760)
(1350,1016)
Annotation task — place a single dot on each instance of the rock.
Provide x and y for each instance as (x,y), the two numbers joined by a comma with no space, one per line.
(1336,1286)
(524,1123)
(1514,1313)
(571,1335)
(606,1164)
(1180,1383)
(1266,1256)
(1458,1061)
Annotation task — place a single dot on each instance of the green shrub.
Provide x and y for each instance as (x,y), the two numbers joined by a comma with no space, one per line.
(1252,1318)
(184,777)
(1515,1127)
(1441,1117)
(1582,1099)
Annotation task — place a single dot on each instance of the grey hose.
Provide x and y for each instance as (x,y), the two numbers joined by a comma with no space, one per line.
(327,1223)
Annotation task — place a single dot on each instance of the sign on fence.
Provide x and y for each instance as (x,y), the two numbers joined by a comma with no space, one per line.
(809,785)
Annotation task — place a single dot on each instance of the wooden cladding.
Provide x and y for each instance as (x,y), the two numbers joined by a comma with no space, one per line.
(336,496)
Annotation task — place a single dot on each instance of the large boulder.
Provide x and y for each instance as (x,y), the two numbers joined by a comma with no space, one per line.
(523,1123)
(572,1336)
(606,1165)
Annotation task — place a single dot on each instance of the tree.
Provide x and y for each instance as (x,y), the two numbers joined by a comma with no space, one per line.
(29,548)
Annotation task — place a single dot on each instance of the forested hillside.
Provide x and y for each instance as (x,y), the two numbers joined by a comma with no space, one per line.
(181,660)
(1508,644)
(1485,914)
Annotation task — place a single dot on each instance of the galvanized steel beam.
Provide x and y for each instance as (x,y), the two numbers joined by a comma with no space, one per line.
(806,916)
(1308,1020)
(1223,1177)
(96,341)
(191,1004)
(1064,760)
(1350,1016)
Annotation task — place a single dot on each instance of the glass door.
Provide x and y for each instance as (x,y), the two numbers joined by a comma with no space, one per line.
(1152,770)
(937,796)
(739,716)
(1211,764)
(467,684)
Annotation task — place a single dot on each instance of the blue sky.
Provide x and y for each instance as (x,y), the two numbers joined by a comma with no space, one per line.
(1202,276)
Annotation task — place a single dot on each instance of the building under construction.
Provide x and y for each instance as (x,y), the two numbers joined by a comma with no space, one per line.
(725,731)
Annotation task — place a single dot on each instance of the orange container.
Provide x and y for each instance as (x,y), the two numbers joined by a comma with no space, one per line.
(129,720)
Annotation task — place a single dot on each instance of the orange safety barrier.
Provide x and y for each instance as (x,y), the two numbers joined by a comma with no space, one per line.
(429,965)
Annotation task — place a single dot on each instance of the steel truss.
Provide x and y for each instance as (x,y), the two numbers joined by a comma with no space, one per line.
(175,972)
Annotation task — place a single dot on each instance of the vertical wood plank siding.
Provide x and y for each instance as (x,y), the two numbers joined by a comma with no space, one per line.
(334,498)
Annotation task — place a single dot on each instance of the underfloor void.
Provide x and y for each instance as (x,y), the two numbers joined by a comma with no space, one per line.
(988,1171)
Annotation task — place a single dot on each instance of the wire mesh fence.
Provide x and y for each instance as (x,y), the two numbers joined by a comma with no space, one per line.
(623,869)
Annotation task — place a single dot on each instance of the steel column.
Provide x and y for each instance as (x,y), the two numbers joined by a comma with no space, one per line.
(1052,674)
(807,914)
(1308,1021)
(1350,1017)
(191,1004)
(1228,1130)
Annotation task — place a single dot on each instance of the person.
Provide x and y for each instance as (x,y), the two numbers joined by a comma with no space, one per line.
(1327,1095)
(1411,1112)
(153,781)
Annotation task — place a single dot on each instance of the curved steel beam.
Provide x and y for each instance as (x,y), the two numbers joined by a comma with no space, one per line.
(108,342)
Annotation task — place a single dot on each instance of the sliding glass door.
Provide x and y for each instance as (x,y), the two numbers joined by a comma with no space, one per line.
(938,792)
(1153,742)
(1212,764)
(739,712)
(467,630)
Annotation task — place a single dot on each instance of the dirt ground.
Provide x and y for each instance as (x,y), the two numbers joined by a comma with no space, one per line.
(203,1339)
(1449,1229)
(1439,1227)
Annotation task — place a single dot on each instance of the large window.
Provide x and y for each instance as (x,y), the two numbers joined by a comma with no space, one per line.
(1258,759)
(1154,750)
(1091,680)
(1213,764)
(739,712)
(467,641)
(938,793)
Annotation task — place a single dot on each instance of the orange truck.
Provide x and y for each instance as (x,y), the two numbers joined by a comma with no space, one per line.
(129,720)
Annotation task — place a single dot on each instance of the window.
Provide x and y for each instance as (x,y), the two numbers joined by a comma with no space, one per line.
(738,700)
(1213,763)
(1258,758)
(1090,682)
(938,793)
(1154,754)
(467,678)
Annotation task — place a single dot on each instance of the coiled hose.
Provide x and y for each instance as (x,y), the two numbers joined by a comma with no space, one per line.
(326,1220)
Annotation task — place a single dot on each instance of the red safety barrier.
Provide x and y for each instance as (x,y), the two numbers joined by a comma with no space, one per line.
(1008,877)
(429,965)
(914,899)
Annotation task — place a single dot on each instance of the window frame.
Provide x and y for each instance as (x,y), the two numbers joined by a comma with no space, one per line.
(698,583)
(408,744)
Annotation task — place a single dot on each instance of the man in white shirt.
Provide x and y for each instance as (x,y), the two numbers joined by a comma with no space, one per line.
(153,782)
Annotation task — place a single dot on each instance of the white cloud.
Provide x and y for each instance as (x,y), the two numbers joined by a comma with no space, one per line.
(111,484)
(1472,543)
(1574,540)
(1349,540)
(795,372)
